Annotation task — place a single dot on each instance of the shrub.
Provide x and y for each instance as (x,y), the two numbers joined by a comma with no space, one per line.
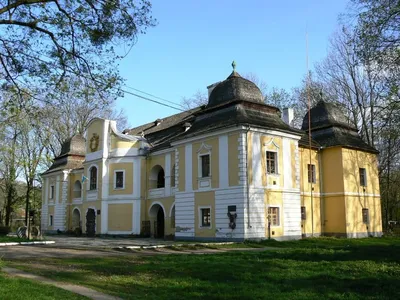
(4,230)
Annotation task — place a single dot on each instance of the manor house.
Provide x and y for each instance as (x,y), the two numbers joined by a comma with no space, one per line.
(229,170)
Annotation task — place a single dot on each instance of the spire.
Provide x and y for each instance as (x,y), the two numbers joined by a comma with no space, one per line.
(234,66)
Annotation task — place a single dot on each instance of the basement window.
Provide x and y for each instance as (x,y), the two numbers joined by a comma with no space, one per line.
(365,215)
(303,213)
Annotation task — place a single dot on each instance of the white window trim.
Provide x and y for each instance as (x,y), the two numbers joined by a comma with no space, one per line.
(200,169)
(201,217)
(90,177)
(280,215)
(115,180)
(276,163)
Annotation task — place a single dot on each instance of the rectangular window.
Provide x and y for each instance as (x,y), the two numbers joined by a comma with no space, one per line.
(363,177)
(272,163)
(365,215)
(52,192)
(119,179)
(303,213)
(51,220)
(273,214)
(205,217)
(205,165)
(311,173)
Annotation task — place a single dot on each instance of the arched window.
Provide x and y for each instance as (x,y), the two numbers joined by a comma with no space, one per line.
(161,178)
(157,177)
(77,189)
(93,178)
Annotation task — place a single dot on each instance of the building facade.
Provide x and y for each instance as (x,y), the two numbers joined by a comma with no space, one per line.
(229,170)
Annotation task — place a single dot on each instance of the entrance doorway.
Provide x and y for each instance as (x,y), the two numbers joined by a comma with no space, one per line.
(157,219)
(91,222)
(160,223)
(76,219)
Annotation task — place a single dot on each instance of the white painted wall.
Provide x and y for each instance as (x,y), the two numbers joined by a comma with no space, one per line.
(184,214)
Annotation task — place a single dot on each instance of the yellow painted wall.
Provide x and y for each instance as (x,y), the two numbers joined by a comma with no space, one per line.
(204,199)
(120,217)
(352,161)
(96,127)
(181,164)
(117,142)
(354,206)
(332,170)
(69,212)
(268,144)
(233,159)
(214,161)
(312,216)
(274,198)
(128,188)
(305,186)
(334,214)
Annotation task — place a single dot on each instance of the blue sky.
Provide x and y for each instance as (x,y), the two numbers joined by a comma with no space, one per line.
(195,41)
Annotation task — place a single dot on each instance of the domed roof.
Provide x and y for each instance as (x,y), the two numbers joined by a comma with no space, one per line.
(235,87)
(326,115)
(74,146)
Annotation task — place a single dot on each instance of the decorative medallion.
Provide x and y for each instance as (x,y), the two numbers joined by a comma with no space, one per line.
(94,142)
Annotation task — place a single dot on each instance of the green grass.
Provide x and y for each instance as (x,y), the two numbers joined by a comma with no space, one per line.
(307,269)
(11,239)
(22,289)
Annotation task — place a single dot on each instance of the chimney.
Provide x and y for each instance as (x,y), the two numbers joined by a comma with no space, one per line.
(288,115)
(211,87)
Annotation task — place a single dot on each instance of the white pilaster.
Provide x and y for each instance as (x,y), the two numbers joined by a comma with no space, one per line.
(223,161)
(104,217)
(188,168)
(256,162)
(167,170)
(287,164)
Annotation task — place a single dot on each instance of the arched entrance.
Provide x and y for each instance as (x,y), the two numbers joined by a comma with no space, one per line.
(76,219)
(91,222)
(157,219)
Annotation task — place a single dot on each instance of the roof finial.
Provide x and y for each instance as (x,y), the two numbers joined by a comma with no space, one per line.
(321,95)
(234,66)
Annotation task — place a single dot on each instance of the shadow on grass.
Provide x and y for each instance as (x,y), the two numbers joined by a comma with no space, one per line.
(353,272)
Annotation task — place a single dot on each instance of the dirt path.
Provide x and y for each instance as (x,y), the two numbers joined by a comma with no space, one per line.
(77,289)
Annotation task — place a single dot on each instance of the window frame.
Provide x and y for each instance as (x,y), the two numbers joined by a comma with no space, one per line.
(51,220)
(303,213)
(201,156)
(313,173)
(115,180)
(275,153)
(278,215)
(362,173)
(52,192)
(90,178)
(365,215)
(201,219)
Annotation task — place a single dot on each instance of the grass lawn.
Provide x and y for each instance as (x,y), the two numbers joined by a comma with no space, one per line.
(10,239)
(307,269)
(21,289)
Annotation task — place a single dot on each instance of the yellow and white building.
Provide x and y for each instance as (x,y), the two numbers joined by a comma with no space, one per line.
(229,170)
